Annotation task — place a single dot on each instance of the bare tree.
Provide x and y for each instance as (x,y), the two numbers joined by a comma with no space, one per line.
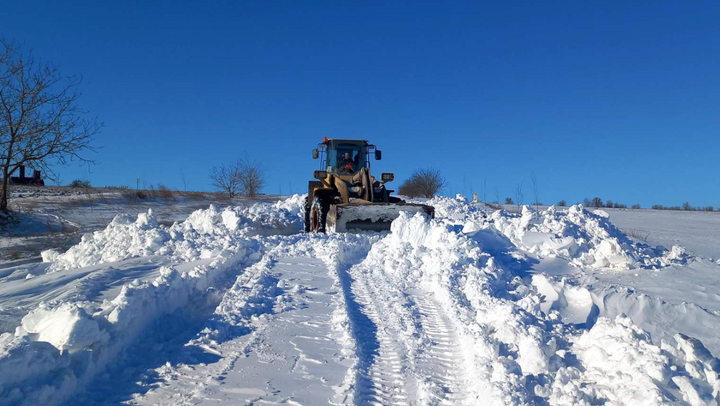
(252,176)
(245,176)
(184,181)
(536,193)
(226,178)
(484,192)
(423,182)
(519,196)
(41,124)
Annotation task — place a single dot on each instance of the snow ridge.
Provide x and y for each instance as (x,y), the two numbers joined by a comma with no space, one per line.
(582,237)
(59,349)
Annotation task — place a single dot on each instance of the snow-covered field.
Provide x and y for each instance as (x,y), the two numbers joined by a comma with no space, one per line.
(235,305)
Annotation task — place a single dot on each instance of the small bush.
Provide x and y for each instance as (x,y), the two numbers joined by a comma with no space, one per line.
(423,183)
(80,183)
(509,200)
(164,192)
(562,203)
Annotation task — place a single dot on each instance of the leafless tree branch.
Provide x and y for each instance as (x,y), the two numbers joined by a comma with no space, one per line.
(245,176)
(41,123)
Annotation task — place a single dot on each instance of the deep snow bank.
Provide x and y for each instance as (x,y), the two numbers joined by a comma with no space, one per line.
(582,237)
(60,347)
(574,233)
(203,234)
(618,364)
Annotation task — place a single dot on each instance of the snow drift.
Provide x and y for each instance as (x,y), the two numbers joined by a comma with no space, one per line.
(202,235)
(580,236)
(60,347)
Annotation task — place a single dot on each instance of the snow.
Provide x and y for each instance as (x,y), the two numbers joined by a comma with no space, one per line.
(235,305)
(67,327)
(581,236)
(623,366)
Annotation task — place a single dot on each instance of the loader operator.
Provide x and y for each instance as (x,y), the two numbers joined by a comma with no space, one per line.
(346,163)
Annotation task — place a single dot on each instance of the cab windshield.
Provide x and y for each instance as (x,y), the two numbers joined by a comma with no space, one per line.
(346,158)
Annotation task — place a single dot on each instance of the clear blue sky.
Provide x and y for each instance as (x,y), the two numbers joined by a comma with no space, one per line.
(617,99)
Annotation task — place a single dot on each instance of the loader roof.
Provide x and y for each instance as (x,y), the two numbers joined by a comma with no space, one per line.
(326,140)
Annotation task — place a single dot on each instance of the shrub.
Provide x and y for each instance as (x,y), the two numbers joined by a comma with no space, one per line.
(80,183)
(164,192)
(423,183)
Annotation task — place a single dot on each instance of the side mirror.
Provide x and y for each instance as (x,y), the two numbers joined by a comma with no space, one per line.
(387,177)
(378,155)
(315,154)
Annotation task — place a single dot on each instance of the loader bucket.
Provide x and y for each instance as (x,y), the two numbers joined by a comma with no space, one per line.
(355,217)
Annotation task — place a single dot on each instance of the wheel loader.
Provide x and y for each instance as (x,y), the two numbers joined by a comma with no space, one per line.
(346,197)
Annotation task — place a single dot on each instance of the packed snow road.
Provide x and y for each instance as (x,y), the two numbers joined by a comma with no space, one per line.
(237,306)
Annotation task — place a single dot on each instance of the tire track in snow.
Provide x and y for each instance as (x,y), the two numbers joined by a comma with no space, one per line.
(380,378)
(187,384)
(415,361)
(441,361)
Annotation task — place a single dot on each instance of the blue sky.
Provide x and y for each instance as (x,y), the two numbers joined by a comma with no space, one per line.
(615,99)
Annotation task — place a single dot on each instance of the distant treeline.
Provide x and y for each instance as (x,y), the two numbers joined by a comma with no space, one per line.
(598,203)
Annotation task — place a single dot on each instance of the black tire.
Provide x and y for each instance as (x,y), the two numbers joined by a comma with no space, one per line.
(318,214)
(307,216)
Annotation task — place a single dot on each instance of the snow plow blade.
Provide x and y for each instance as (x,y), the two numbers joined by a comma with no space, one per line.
(370,216)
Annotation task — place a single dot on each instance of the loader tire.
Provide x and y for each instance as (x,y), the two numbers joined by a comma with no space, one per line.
(318,214)
(307,216)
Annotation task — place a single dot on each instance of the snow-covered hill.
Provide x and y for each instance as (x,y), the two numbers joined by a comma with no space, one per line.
(237,306)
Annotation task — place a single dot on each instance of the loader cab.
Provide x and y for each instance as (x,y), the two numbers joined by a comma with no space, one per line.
(344,157)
